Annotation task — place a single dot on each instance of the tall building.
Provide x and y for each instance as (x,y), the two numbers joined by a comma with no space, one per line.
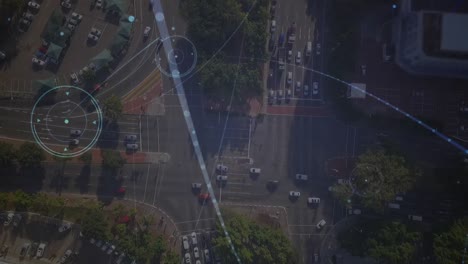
(432,42)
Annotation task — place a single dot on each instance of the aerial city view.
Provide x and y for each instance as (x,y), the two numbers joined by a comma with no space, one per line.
(234,131)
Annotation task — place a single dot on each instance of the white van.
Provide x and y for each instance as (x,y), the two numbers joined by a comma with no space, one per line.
(313,200)
(273,26)
(298,57)
(308,48)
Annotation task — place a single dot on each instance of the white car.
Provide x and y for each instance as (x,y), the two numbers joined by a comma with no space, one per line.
(38,62)
(66,4)
(40,250)
(9,219)
(298,57)
(315,89)
(317,49)
(76,16)
(306,90)
(185,242)
(194,238)
(294,194)
(221,168)
(255,170)
(207,255)
(34,5)
(96,32)
(92,37)
(196,253)
(73,21)
(75,132)
(221,177)
(289,79)
(343,181)
(313,200)
(301,177)
(71,27)
(65,257)
(25,22)
(146,32)
(64,227)
(320,224)
(196,185)
(289,58)
(298,87)
(187,258)
(28,16)
(75,79)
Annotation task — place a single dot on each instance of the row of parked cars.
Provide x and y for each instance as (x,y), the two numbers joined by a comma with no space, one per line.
(193,242)
(109,249)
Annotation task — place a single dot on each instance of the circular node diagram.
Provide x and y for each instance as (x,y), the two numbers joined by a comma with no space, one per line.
(179,61)
(70,125)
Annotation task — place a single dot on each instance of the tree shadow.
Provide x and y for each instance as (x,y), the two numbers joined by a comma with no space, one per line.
(83,179)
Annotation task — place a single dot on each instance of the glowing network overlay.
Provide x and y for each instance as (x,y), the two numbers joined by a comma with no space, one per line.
(161,23)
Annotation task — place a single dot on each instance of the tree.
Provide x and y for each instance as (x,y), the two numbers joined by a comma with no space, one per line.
(94,224)
(449,246)
(342,192)
(30,155)
(112,159)
(7,154)
(170,257)
(113,108)
(21,200)
(89,75)
(379,177)
(393,244)
(254,243)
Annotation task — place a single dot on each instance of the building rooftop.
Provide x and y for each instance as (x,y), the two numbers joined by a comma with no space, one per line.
(454,33)
(452,6)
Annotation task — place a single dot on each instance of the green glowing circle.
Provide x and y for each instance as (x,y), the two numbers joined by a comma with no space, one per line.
(66,121)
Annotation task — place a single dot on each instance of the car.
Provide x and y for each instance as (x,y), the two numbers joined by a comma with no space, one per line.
(289,57)
(99,4)
(185,242)
(288,95)
(294,194)
(64,227)
(279,96)
(72,21)
(65,257)
(204,197)
(74,142)
(273,26)
(255,170)
(313,200)
(298,58)
(315,89)
(388,52)
(110,250)
(76,16)
(196,253)
(316,257)
(187,258)
(92,241)
(71,27)
(132,146)
(363,70)
(354,211)
(92,37)
(75,79)
(95,32)
(17,219)
(301,177)
(344,181)
(194,238)
(320,224)
(206,253)
(317,48)
(289,78)
(105,246)
(196,185)
(33,249)
(24,249)
(75,132)
(25,22)
(221,168)
(66,4)
(271,96)
(198,261)
(38,62)
(146,32)
(28,16)
(34,5)
(306,90)
(40,250)
(9,219)
(131,137)
(99,243)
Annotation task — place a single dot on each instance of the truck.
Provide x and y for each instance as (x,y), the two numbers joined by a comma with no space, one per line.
(292,33)
(281,55)
(308,49)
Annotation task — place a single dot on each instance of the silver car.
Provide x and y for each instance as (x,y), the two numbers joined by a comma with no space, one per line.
(75,132)
(132,146)
(131,137)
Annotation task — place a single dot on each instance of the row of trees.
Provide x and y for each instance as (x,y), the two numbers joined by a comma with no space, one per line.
(254,243)
(28,155)
(221,28)
(132,236)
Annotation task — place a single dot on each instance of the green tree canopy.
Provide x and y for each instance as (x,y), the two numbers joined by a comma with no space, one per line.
(30,155)
(94,224)
(86,158)
(254,243)
(112,159)
(7,154)
(342,192)
(379,177)
(449,246)
(113,108)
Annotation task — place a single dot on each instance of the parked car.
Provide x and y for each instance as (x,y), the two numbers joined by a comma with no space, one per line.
(294,194)
(255,170)
(146,32)
(76,16)
(75,132)
(315,88)
(306,90)
(222,177)
(92,37)
(96,32)
(28,16)
(17,219)
(279,96)
(33,249)
(185,242)
(24,249)
(9,219)
(38,62)
(133,146)
(105,246)
(73,21)
(206,253)
(271,96)
(194,238)
(298,58)
(75,78)
(66,4)
(196,253)
(64,227)
(71,27)
(110,250)
(204,197)
(317,48)
(313,200)
(74,142)
(196,185)
(40,250)
(65,257)
(34,5)
(131,137)
(320,224)
(221,168)
(187,258)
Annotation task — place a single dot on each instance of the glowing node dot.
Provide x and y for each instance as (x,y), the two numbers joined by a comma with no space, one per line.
(159,17)
(173,28)
(397,108)
(466,151)
(419,122)
(186,113)
(66,121)
(433,130)
(394,6)
(195,143)
(61,33)
(449,140)
(175,73)
(131,19)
